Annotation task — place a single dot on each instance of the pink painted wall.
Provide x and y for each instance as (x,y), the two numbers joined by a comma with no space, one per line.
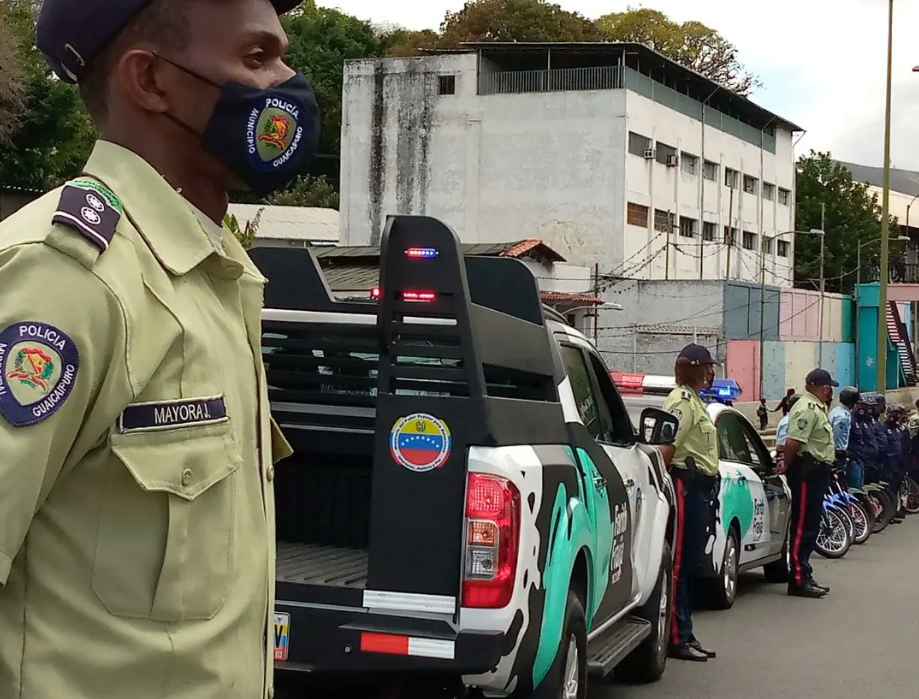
(743,367)
(799,316)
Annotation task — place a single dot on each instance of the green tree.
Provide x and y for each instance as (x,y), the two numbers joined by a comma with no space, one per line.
(245,234)
(853,218)
(692,44)
(321,40)
(402,42)
(514,20)
(308,191)
(53,133)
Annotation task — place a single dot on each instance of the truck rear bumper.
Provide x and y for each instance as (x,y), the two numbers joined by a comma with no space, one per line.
(326,640)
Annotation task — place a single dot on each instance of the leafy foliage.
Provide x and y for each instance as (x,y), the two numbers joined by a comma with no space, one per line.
(307,191)
(692,44)
(853,219)
(514,20)
(244,234)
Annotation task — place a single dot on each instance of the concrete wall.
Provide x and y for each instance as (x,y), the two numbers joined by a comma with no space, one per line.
(554,166)
(742,303)
(800,316)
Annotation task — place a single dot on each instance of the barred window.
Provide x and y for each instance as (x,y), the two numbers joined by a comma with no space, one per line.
(637,215)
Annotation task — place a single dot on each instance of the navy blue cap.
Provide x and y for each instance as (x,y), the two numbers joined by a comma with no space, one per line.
(72,32)
(696,354)
(820,377)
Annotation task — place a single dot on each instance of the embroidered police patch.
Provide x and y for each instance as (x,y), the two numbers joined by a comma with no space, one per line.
(38,370)
(802,423)
(172,414)
(677,413)
(90,209)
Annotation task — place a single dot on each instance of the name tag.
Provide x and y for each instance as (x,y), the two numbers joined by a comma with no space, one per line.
(172,414)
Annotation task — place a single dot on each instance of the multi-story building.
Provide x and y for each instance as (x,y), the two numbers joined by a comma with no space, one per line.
(611,153)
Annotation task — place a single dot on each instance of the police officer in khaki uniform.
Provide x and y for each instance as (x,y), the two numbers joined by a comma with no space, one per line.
(693,457)
(137,539)
(809,455)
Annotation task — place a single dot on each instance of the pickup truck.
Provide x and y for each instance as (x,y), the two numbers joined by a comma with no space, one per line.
(468,503)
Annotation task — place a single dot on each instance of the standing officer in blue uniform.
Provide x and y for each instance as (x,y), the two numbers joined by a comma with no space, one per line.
(841,420)
(897,455)
(877,409)
(862,449)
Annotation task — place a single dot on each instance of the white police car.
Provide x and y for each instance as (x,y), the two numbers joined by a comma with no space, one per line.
(754,508)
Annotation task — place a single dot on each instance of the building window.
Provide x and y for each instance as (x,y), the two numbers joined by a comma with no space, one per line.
(665,155)
(710,171)
(784,196)
(637,215)
(730,178)
(689,163)
(750,184)
(768,191)
(664,221)
(730,236)
(782,248)
(638,144)
(767,245)
(688,227)
(446,84)
(749,240)
(709,230)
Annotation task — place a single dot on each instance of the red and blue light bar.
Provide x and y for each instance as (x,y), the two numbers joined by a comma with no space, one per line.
(422,253)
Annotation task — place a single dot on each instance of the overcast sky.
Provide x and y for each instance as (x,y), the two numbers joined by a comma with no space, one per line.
(822,62)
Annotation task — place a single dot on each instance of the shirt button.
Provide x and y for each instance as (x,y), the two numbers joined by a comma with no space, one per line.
(270,473)
(186,476)
(270,691)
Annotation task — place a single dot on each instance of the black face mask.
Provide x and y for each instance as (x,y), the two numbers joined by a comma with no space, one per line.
(265,137)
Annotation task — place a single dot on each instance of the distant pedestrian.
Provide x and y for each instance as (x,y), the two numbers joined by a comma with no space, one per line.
(784,404)
(763,413)
(809,455)
(781,434)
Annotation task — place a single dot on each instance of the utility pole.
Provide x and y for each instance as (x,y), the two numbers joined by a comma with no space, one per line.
(885,221)
(729,234)
(822,280)
(596,296)
(667,247)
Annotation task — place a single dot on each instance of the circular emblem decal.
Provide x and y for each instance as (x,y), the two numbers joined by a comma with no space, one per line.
(90,216)
(38,369)
(420,442)
(273,133)
(94,202)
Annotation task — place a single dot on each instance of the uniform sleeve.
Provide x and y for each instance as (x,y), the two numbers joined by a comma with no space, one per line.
(781,432)
(801,424)
(680,406)
(913,426)
(60,333)
(841,425)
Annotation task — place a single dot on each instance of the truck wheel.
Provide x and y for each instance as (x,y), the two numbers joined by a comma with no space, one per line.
(567,678)
(647,662)
(723,590)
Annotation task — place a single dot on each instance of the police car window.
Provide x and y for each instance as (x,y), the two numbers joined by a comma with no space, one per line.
(582,387)
(621,430)
(732,443)
(760,458)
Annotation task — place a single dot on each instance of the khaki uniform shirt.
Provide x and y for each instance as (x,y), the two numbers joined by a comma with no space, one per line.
(136,510)
(696,436)
(809,424)
(913,424)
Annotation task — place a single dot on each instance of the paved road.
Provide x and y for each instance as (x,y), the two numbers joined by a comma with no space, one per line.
(860,641)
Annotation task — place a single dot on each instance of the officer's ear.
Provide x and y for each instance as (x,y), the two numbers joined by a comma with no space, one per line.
(144,81)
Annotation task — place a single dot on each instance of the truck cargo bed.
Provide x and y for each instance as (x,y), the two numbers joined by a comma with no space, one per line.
(330,566)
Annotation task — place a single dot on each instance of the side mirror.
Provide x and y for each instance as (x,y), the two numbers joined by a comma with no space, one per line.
(658,427)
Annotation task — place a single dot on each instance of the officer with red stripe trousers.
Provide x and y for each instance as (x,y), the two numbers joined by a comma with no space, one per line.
(809,455)
(693,462)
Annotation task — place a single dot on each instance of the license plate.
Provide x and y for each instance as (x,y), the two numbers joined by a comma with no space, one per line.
(281,635)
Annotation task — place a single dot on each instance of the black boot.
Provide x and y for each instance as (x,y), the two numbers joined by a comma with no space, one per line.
(806,590)
(698,646)
(684,651)
(814,583)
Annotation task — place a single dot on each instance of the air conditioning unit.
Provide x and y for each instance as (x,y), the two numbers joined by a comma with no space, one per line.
(673,160)
(649,154)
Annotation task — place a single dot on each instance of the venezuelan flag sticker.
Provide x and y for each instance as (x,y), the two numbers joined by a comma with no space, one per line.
(420,442)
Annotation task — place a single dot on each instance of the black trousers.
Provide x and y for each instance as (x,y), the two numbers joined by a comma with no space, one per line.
(694,516)
(808,484)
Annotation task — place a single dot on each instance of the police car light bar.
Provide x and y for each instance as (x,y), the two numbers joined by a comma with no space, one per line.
(422,253)
(649,384)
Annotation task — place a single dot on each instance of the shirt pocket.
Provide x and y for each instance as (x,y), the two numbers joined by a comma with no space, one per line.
(166,525)
(707,428)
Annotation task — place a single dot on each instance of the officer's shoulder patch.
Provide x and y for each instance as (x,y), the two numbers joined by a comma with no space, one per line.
(38,370)
(685,395)
(90,209)
(802,423)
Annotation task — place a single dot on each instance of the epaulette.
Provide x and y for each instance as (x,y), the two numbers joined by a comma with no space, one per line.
(90,209)
(685,395)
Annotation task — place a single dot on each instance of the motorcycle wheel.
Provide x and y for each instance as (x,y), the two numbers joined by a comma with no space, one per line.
(862,523)
(912,499)
(833,541)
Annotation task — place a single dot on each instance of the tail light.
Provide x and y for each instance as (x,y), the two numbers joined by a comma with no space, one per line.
(492,538)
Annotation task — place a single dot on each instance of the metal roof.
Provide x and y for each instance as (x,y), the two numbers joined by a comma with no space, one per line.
(290,222)
(713,92)
(903,181)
